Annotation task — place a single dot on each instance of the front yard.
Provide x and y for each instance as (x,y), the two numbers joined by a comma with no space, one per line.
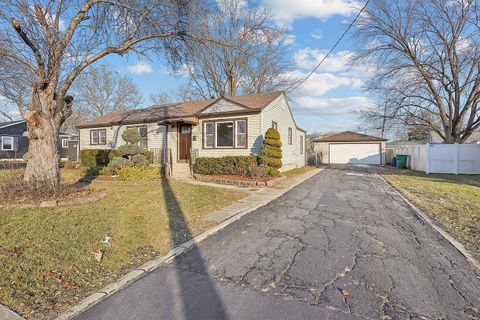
(48,256)
(453,201)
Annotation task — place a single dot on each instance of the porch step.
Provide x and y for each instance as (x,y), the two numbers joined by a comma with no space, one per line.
(181,170)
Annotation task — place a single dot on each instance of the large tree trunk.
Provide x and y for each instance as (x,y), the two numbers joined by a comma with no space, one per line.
(43,157)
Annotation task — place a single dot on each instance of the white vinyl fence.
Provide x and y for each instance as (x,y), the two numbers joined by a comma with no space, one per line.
(443,158)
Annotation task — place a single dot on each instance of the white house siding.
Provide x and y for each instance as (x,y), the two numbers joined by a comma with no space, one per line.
(254,143)
(155,136)
(301,157)
(279,111)
(222,106)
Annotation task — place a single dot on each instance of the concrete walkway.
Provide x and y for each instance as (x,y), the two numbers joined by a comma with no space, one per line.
(341,245)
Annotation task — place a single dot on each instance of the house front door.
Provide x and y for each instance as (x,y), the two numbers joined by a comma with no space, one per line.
(184,142)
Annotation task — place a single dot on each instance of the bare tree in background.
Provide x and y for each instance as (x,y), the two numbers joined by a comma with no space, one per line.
(181,94)
(100,91)
(54,41)
(251,59)
(15,88)
(426,56)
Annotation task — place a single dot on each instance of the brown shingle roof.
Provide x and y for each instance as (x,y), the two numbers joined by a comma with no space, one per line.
(255,102)
(349,136)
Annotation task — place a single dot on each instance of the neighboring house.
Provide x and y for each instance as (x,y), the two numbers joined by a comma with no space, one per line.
(225,126)
(14,140)
(350,147)
(474,138)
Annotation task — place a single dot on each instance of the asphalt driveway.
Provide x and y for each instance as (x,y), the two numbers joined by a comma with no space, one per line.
(341,245)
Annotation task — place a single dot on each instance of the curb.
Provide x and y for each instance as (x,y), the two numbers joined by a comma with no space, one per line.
(460,247)
(7,314)
(151,265)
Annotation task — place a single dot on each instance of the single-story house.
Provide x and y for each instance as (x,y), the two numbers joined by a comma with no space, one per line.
(350,147)
(14,140)
(205,128)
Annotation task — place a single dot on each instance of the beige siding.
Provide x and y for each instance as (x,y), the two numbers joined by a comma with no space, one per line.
(279,111)
(222,106)
(254,139)
(155,137)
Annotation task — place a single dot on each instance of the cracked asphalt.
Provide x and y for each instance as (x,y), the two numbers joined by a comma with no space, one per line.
(341,245)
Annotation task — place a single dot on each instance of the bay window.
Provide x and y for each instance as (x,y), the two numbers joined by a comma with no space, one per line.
(225,134)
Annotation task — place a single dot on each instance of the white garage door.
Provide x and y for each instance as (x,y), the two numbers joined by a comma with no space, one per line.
(364,153)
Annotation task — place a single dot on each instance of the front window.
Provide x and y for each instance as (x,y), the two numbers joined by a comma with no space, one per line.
(241,133)
(225,134)
(64,143)
(142,131)
(7,143)
(274,125)
(209,135)
(290,136)
(98,136)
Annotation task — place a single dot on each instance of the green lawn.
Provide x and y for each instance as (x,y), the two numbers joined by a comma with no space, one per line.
(47,260)
(296,172)
(453,201)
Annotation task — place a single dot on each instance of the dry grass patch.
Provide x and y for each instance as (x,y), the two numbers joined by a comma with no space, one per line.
(298,171)
(453,201)
(47,255)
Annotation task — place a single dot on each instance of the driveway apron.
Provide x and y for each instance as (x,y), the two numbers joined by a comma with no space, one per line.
(341,245)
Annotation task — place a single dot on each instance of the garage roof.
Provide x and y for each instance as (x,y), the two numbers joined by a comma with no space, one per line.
(349,136)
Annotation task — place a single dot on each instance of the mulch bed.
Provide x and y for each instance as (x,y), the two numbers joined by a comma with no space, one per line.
(240,181)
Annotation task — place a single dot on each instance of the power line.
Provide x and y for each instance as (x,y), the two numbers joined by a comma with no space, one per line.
(333,48)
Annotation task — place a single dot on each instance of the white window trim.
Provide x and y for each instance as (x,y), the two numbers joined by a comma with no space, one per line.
(65,145)
(12,143)
(208,134)
(237,133)
(216,134)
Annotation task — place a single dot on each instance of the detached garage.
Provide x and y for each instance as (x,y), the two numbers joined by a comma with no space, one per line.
(350,147)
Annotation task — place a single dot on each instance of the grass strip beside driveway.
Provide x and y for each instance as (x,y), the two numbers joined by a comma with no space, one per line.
(452,201)
(47,255)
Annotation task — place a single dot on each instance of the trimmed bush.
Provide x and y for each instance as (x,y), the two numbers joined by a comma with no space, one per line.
(92,157)
(149,155)
(139,160)
(271,155)
(139,173)
(131,136)
(229,165)
(114,153)
(116,164)
(129,150)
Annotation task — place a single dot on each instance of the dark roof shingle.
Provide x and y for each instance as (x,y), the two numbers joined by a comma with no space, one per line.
(349,136)
(255,102)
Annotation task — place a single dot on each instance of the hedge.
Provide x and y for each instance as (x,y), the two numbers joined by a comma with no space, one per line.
(228,165)
(90,158)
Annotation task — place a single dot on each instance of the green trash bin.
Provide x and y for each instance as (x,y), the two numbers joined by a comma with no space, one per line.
(402,161)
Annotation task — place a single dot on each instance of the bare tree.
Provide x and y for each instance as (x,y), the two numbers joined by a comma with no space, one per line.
(100,91)
(181,94)
(426,57)
(250,60)
(54,41)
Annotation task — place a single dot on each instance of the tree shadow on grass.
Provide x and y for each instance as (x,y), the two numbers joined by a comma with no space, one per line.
(200,298)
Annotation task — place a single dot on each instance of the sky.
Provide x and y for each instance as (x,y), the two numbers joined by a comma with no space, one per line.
(327,101)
